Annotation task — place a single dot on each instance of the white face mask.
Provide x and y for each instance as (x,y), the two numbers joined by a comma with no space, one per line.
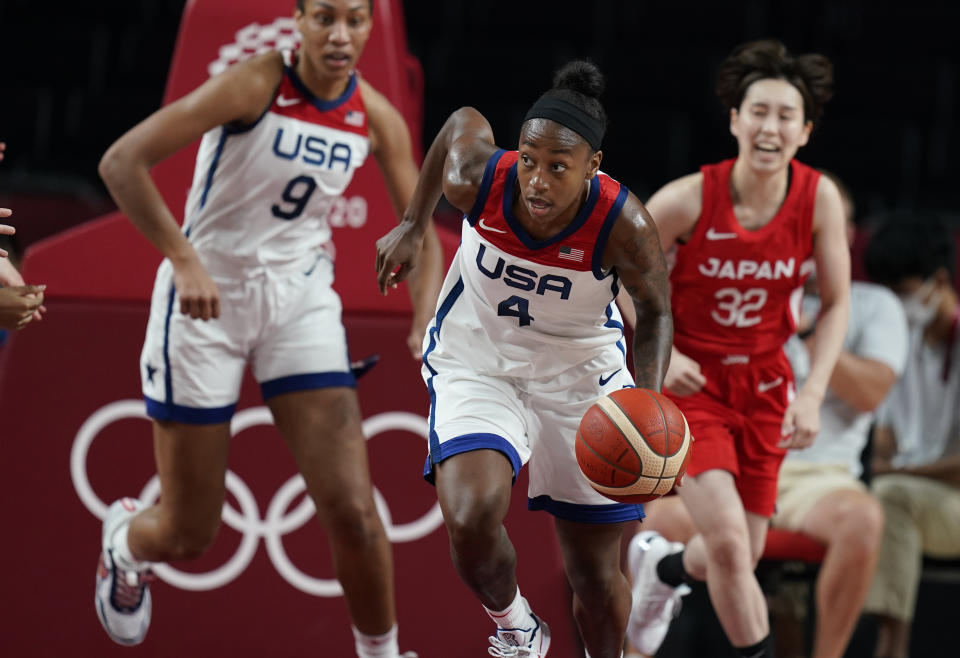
(920,306)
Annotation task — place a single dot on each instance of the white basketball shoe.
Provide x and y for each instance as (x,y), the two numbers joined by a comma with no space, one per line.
(530,642)
(122,596)
(655,603)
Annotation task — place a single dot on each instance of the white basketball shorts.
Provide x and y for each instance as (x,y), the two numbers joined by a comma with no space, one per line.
(283,321)
(528,420)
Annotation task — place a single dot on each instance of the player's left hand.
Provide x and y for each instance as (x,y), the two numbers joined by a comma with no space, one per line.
(801,422)
(398,250)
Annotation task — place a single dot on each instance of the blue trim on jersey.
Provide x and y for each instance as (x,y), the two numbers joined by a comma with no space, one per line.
(167,375)
(613,324)
(603,235)
(319,103)
(445,307)
(306,382)
(434,331)
(189,415)
(469,443)
(224,133)
(484,191)
(582,216)
(613,513)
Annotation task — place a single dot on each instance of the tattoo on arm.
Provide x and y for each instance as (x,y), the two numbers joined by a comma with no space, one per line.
(649,287)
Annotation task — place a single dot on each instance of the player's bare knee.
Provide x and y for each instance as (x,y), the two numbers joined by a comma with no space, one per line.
(362,533)
(860,526)
(595,588)
(475,524)
(729,551)
(349,514)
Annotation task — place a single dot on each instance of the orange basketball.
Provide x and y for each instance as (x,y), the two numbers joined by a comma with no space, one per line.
(633,445)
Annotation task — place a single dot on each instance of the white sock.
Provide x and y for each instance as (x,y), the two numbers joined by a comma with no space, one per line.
(121,551)
(515,615)
(377,646)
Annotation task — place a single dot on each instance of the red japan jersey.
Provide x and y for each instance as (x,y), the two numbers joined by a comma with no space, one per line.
(738,292)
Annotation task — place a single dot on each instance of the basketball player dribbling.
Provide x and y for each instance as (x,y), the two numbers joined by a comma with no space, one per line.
(743,230)
(249,281)
(526,337)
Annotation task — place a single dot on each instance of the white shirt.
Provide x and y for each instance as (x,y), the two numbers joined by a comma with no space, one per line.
(922,410)
(877,330)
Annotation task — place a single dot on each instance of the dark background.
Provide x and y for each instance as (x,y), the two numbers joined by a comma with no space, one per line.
(77,75)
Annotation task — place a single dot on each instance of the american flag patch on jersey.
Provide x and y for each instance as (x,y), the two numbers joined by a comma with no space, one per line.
(569,253)
(354,118)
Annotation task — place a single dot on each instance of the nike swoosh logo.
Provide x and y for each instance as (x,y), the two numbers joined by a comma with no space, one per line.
(763,387)
(716,235)
(603,381)
(284,102)
(483,225)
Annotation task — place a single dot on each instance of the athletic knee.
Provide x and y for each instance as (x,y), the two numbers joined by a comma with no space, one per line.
(597,587)
(860,527)
(352,518)
(473,521)
(729,551)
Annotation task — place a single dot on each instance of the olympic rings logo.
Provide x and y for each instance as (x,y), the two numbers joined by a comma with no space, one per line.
(247,520)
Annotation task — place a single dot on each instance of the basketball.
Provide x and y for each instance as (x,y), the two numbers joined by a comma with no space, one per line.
(633,445)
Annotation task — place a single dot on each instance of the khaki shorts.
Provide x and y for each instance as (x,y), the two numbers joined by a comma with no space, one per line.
(803,484)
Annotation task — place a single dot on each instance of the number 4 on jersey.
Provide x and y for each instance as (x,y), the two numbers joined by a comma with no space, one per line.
(516,307)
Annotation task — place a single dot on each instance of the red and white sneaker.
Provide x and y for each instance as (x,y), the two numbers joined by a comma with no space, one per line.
(122,597)
(532,642)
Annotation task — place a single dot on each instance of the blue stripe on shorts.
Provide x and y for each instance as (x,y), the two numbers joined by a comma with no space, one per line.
(612,513)
(468,443)
(189,415)
(306,382)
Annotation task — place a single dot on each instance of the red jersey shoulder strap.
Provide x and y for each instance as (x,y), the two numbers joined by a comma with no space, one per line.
(805,181)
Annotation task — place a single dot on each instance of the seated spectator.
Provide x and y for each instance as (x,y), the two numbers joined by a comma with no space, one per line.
(820,493)
(916,457)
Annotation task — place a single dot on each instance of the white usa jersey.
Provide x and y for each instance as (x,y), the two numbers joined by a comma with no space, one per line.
(262,192)
(515,306)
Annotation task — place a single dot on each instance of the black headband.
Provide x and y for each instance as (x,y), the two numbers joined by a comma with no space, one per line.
(570,116)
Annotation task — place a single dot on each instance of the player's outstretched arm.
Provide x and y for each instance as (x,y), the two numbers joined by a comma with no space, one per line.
(238,95)
(453,167)
(634,249)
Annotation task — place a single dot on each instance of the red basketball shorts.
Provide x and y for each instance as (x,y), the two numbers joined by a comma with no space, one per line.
(736,419)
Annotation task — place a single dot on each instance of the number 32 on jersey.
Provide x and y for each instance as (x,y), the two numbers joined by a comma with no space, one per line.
(738,309)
